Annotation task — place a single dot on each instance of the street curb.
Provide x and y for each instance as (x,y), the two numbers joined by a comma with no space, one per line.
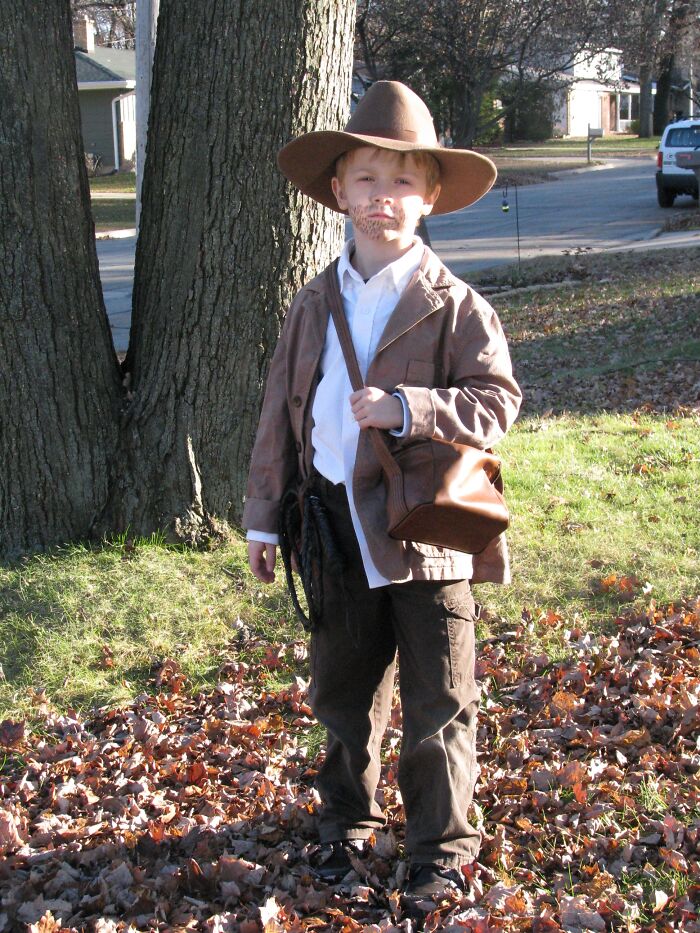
(611,163)
(115,234)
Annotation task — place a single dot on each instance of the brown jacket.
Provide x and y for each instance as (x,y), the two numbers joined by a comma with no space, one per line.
(443,349)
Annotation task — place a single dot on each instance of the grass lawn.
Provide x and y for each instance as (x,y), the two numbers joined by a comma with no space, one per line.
(120,182)
(594,498)
(530,163)
(113,214)
(610,145)
(533,171)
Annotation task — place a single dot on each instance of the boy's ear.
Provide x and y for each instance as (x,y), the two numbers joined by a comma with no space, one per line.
(430,201)
(337,187)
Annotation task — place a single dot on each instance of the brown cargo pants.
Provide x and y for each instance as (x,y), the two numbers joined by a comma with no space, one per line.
(353,656)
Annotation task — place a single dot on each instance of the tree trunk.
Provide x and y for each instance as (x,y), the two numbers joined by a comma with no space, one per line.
(59,380)
(223,246)
(645,102)
(467,105)
(662,98)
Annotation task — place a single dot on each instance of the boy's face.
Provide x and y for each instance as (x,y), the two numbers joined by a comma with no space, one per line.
(384,194)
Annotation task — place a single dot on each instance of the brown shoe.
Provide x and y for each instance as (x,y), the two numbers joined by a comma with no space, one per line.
(427,884)
(332,862)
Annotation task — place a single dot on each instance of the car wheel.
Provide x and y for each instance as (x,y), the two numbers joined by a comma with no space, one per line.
(666,197)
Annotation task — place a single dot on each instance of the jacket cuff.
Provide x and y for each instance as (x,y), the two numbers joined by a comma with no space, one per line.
(265,537)
(403,430)
(262,515)
(419,402)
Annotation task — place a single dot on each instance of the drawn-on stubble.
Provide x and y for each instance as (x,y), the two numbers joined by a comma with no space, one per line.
(373,228)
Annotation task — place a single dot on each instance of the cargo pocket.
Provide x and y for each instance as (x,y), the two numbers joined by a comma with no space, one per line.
(460,616)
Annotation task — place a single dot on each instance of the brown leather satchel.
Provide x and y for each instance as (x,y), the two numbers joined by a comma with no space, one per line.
(438,492)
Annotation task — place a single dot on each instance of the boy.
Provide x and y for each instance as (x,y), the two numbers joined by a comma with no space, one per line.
(435,365)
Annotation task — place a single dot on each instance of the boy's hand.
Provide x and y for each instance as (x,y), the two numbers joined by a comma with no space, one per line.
(373,408)
(261,557)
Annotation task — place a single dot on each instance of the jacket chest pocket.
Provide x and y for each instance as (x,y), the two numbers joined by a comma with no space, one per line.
(420,373)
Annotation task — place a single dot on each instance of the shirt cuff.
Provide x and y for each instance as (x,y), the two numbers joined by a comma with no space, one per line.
(264,536)
(406,418)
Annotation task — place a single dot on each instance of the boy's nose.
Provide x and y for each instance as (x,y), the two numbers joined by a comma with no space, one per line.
(379,195)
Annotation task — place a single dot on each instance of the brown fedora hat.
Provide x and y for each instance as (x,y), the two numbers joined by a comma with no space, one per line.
(389,116)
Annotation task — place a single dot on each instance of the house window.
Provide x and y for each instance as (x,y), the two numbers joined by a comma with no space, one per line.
(629,106)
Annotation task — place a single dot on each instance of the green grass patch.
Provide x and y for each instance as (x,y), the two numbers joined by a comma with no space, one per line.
(113,214)
(86,624)
(610,145)
(121,181)
(593,497)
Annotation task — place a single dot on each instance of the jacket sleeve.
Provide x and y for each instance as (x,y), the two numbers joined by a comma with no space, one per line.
(482,399)
(273,463)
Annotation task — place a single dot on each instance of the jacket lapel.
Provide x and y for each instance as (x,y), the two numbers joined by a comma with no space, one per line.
(423,295)
(314,336)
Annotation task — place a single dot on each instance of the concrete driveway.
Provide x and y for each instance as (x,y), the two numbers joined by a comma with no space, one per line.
(603,209)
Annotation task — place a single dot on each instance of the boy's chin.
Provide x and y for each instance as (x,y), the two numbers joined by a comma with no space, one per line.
(386,235)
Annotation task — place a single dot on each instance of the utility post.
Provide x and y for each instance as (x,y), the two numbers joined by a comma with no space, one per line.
(146,23)
(594,132)
(691,102)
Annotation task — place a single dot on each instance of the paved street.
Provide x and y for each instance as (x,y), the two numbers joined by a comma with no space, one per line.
(601,209)
(604,209)
(116,259)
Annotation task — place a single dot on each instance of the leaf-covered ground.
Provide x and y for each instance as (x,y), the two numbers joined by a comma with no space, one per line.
(196,813)
(609,331)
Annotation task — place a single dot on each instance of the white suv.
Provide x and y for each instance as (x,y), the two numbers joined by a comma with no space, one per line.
(673,179)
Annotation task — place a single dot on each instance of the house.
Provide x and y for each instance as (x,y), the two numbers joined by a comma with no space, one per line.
(106,82)
(599,95)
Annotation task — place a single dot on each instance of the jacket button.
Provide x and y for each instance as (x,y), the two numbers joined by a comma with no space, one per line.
(298,446)
(296,401)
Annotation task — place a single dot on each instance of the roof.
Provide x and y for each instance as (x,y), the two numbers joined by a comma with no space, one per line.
(105,64)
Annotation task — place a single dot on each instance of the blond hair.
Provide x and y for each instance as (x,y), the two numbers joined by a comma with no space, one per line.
(423,160)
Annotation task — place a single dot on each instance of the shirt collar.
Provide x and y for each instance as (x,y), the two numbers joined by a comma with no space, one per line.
(396,274)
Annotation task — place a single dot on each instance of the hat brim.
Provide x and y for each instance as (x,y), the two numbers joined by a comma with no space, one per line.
(309,163)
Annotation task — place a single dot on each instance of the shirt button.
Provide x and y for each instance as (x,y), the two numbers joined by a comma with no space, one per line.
(296,401)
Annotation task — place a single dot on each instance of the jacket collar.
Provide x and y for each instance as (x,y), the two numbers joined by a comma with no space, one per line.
(396,275)
(424,294)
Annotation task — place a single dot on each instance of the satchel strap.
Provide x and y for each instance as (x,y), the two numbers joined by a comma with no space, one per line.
(389,465)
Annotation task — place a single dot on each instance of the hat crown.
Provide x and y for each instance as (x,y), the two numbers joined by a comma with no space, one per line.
(390,110)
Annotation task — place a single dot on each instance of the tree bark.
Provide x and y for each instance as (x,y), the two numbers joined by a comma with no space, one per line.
(645,102)
(662,98)
(224,244)
(467,107)
(59,381)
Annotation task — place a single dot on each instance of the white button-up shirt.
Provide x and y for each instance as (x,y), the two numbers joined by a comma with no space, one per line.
(368,307)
